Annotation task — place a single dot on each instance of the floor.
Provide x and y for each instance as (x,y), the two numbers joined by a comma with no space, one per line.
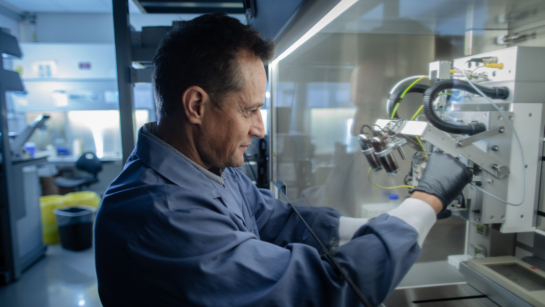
(62,278)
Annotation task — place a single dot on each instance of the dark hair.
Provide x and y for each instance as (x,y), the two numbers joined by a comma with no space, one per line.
(203,52)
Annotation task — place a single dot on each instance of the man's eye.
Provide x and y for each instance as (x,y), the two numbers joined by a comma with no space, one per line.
(251,111)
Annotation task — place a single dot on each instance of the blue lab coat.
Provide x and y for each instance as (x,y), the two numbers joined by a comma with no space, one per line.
(167,235)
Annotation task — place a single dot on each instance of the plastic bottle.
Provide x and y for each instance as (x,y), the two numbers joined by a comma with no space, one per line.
(394,200)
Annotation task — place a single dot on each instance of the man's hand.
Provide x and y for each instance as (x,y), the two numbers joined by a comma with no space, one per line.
(444,178)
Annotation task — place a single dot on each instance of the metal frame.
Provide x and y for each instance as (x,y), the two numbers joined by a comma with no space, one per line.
(9,207)
(492,290)
(123,57)
(453,147)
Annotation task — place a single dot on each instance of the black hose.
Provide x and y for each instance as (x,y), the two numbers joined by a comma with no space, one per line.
(470,129)
(396,96)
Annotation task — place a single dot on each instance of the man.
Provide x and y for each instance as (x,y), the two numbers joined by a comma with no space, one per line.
(181,227)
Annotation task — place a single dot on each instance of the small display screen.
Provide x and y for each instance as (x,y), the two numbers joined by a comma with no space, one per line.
(520,275)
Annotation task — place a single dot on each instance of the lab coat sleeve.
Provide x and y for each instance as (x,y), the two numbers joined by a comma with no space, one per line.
(199,257)
(278,223)
(412,211)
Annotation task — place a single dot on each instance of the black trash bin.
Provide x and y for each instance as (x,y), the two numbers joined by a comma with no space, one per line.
(75,227)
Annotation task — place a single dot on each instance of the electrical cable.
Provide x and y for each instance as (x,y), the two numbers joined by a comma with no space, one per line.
(395,109)
(396,97)
(423,148)
(398,85)
(366,126)
(408,89)
(416,114)
(518,141)
(471,73)
(410,86)
(330,257)
(385,188)
(417,138)
(471,128)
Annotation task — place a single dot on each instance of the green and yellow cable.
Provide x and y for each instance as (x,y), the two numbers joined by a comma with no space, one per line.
(417,138)
(395,109)
(385,188)
(422,145)
(416,114)
(404,93)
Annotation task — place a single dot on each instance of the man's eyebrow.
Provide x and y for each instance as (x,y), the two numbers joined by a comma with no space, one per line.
(255,105)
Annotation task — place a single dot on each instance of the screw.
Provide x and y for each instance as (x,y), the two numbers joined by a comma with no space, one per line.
(510,117)
(492,217)
(500,117)
(530,115)
(495,148)
(502,130)
(490,181)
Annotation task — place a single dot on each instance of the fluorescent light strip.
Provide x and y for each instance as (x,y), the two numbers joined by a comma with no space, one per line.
(340,8)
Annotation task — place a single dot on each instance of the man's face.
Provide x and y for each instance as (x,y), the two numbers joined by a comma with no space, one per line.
(227,132)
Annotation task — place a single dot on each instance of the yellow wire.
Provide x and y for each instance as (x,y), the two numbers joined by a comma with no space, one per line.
(416,114)
(395,108)
(409,87)
(422,145)
(405,92)
(385,188)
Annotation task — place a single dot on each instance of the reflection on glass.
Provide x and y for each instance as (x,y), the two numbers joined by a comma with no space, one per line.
(339,79)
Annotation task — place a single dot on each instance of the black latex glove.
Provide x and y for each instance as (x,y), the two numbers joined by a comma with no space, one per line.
(445,214)
(444,177)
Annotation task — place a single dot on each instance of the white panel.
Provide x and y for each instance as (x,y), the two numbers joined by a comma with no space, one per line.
(527,123)
(62,61)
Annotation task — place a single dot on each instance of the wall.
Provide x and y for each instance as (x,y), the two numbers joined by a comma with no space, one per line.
(96,28)
(74,28)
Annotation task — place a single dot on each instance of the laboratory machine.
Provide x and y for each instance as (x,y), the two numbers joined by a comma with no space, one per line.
(363,95)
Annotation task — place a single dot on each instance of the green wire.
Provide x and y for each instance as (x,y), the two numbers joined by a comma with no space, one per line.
(395,109)
(405,92)
(410,86)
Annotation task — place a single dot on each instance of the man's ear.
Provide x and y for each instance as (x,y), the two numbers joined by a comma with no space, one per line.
(193,100)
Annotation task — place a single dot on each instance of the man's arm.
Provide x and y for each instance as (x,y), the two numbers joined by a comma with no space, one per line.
(199,257)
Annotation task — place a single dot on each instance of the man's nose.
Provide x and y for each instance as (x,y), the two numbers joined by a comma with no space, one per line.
(258,129)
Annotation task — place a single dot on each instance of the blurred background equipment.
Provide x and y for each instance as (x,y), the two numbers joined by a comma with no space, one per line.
(89,163)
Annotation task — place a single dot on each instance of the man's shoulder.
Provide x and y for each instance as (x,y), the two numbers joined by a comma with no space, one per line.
(141,185)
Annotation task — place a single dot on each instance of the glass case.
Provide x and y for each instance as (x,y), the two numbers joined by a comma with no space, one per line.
(337,77)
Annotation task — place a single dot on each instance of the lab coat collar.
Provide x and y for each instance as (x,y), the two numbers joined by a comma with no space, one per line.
(172,166)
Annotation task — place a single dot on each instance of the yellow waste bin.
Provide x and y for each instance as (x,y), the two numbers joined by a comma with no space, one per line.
(85,198)
(50,231)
